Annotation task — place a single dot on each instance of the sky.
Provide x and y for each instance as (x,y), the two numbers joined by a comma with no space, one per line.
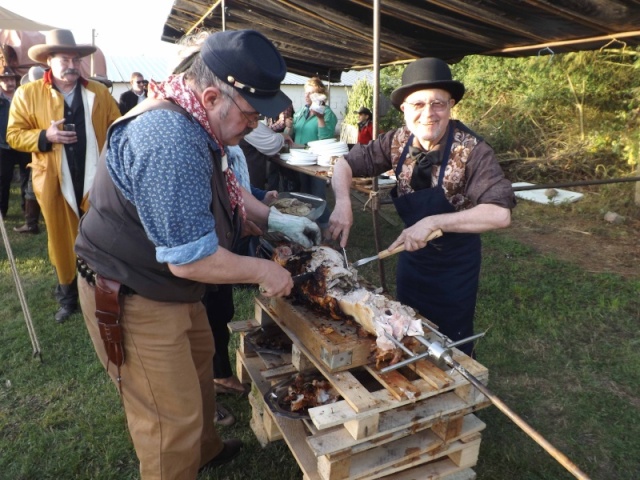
(122,27)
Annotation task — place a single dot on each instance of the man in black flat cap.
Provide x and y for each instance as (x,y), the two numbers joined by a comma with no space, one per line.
(448,179)
(166,210)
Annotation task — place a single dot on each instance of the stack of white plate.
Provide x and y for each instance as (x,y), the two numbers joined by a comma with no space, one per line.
(318,144)
(332,148)
(302,157)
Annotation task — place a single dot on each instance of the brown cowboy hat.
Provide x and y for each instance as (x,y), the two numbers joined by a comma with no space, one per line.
(424,74)
(8,72)
(58,41)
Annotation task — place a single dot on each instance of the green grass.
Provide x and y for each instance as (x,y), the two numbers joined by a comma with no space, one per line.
(561,347)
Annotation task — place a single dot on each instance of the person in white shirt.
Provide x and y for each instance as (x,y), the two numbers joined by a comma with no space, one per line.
(258,147)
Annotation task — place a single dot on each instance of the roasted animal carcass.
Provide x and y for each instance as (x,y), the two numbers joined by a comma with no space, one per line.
(335,289)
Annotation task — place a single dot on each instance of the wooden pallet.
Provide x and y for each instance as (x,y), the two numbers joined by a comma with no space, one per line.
(410,423)
(420,450)
(335,343)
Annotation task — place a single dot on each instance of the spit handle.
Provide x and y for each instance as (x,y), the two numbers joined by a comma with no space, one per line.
(387,253)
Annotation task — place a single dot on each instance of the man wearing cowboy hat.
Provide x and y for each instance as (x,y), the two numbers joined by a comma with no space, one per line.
(62,119)
(448,179)
(9,157)
(166,188)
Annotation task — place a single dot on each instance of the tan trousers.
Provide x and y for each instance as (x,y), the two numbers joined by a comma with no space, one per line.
(167,387)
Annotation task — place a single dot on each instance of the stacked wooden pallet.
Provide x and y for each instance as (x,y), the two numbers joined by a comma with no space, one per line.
(412,423)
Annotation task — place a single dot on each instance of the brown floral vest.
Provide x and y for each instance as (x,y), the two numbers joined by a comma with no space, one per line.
(454,181)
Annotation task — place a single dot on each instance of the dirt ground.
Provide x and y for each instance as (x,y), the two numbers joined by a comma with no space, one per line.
(583,239)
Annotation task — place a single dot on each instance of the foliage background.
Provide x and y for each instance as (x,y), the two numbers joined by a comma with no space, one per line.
(553,117)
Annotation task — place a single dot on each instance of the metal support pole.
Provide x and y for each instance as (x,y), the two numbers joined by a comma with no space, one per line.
(92,72)
(376,97)
(579,183)
(223,14)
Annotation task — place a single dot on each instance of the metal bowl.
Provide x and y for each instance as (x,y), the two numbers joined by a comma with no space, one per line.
(317,204)
(274,398)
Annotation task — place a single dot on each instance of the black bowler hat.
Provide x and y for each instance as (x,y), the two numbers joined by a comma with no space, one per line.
(423,74)
(366,111)
(248,61)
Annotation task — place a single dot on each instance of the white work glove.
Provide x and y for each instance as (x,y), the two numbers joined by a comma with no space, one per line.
(299,229)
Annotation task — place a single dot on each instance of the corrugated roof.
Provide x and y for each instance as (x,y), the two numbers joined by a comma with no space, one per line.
(329,36)
(347,79)
(119,70)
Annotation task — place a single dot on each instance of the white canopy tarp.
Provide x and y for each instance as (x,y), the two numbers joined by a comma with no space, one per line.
(13,21)
(15,46)
(18,34)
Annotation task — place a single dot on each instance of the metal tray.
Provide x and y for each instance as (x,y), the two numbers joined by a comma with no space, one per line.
(317,204)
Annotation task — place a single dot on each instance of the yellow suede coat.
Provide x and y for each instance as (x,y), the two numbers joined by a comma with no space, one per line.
(34,106)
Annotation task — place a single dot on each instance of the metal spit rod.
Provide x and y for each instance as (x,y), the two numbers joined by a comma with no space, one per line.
(438,352)
(430,345)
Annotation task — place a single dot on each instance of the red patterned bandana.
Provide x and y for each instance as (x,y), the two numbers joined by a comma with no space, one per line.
(175,89)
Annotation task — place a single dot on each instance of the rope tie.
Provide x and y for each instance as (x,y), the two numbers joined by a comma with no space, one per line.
(372,195)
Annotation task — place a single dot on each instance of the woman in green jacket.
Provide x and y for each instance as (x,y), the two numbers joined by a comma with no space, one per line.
(316,121)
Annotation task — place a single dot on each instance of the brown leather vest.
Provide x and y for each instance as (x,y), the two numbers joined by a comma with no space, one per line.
(113,242)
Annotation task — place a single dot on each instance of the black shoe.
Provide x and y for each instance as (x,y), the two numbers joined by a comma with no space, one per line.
(26,228)
(229,451)
(64,312)
(223,416)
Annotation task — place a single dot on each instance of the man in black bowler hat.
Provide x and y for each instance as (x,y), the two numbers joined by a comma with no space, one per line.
(448,179)
(166,210)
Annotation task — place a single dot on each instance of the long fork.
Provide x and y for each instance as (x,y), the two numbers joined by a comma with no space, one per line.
(387,253)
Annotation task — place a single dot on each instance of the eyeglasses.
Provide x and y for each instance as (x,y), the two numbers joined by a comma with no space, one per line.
(251,117)
(140,82)
(437,106)
(65,59)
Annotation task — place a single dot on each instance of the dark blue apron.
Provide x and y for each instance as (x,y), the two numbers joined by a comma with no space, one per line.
(440,281)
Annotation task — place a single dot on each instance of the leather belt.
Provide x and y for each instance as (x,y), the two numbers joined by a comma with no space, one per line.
(89,275)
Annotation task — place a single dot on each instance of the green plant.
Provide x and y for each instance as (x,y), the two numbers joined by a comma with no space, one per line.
(390,79)
(360,95)
(561,117)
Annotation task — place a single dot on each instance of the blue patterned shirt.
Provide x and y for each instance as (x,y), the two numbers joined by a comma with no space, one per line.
(161,163)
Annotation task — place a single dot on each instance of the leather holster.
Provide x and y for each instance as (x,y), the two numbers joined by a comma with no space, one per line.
(109,314)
